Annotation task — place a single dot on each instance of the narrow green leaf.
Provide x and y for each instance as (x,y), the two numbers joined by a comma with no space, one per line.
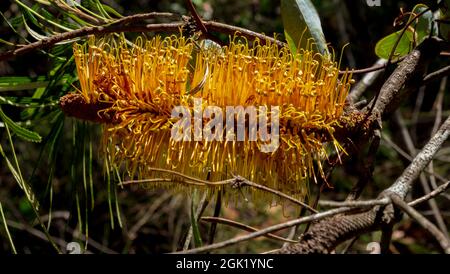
(21,83)
(195,229)
(111,10)
(301,22)
(23,133)
(35,13)
(292,45)
(28,102)
(7,230)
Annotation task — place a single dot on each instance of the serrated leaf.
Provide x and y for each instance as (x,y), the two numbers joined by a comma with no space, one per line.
(301,22)
(23,133)
(384,47)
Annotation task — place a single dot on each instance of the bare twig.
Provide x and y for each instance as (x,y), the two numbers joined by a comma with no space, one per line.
(37,233)
(196,17)
(244,227)
(52,40)
(132,233)
(422,178)
(125,26)
(445,71)
(402,185)
(349,245)
(410,158)
(442,188)
(427,225)
(236,182)
(366,81)
(262,232)
(360,204)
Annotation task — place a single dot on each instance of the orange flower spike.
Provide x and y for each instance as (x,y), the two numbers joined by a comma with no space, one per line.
(145,81)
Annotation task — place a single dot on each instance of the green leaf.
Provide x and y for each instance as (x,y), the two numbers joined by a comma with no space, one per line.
(444,27)
(425,23)
(111,10)
(28,102)
(384,47)
(301,22)
(417,32)
(291,44)
(24,133)
(195,229)
(21,83)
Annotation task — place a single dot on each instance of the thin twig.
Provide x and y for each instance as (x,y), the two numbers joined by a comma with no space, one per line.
(402,185)
(196,17)
(85,31)
(349,245)
(410,158)
(236,182)
(362,204)
(365,82)
(113,28)
(427,225)
(244,227)
(278,193)
(445,71)
(431,195)
(264,231)
(37,233)
(422,178)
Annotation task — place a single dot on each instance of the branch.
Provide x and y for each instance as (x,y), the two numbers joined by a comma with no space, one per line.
(237,182)
(405,79)
(196,17)
(52,40)
(123,25)
(442,188)
(244,227)
(445,71)
(359,204)
(427,225)
(262,232)
(402,185)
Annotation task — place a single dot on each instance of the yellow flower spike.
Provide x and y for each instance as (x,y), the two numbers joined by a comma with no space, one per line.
(141,84)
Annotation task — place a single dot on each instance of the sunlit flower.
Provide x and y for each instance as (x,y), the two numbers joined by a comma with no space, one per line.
(142,83)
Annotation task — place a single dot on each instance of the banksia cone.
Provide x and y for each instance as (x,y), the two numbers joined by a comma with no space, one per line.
(138,87)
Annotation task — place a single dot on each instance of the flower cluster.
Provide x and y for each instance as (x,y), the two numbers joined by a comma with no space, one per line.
(141,83)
